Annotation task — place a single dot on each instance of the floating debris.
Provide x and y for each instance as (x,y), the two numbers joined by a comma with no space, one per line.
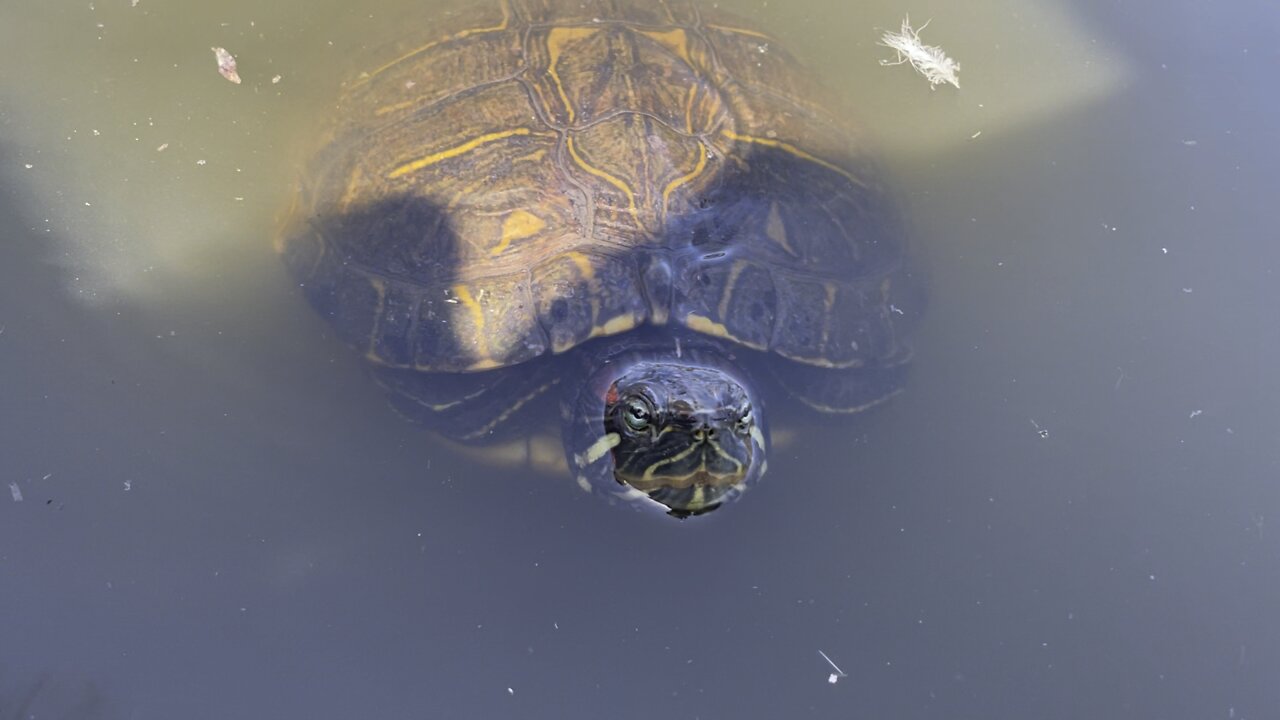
(15,491)
(1195,413)
(1042,432)
(226,64)
(163,147)
(276,80)
(928,60)
(834,677)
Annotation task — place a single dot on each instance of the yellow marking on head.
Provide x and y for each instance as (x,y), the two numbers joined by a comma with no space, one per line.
(380,288)
(557,38)
(793,150)
(614,181)
(707,326)
(674,40)
(757,436)
(584,264)
(647,478)
(688,108)
(776,230)
(518,226)
(740,31)
(457,150)
(598,449)
(506,21)
(584,483)
(698,500)
(726,294)
(685,179)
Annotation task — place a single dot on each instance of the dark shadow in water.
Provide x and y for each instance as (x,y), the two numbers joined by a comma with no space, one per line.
(49,698)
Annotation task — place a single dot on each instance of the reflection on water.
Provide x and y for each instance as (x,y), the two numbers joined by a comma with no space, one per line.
(1065,514)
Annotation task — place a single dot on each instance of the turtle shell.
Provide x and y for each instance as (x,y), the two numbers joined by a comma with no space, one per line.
(547,172)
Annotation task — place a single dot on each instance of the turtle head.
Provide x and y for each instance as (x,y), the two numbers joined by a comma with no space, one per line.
(678,437)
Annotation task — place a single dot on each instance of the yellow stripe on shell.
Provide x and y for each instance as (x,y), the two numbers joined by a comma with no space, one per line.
(739,31)
(519,225)
(556,40)
(511,410)
(685,179)
(735,271)
(776,230)
(584,264)
(462,149)
(707,326)
(612,180)
(688,108)
(506,21)
(793,150)
(674,40)
(463,294)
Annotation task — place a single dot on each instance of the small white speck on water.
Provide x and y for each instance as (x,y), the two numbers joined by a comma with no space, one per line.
(28,165)
(128,485)
(1186,290)
(202,162)
(1194,413)
(1190,143)
(163,147)
(1164,251)
(511,691)
(15,491)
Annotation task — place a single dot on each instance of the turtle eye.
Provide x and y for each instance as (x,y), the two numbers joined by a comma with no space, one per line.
(743,426)
(636,415)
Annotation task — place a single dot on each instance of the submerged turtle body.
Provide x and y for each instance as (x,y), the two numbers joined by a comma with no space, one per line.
(604,198)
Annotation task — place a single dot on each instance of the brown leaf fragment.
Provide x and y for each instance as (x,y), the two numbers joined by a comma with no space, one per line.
(226,64)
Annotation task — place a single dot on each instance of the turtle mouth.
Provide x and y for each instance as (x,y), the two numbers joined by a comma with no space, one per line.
(695,480)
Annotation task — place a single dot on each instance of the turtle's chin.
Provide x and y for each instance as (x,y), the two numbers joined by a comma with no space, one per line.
(677,437)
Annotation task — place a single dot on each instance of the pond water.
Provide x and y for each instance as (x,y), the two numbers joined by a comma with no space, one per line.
(210,511)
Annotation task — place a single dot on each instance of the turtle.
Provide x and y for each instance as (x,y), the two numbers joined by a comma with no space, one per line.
(642,223)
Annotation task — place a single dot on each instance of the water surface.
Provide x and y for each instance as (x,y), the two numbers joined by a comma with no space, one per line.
(1066,515)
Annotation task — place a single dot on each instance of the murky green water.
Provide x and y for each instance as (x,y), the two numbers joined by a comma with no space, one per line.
(1065,515)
